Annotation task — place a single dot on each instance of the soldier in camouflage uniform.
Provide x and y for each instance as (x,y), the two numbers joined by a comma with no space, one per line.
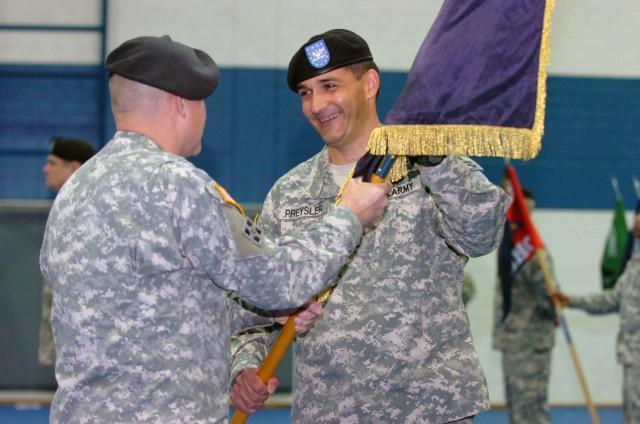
(394,344)
(141,248)
(66,156)
(526,336)
(625,299)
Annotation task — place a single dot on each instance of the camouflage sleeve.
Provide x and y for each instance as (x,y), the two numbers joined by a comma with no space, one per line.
(250,347)
(599,303)
(470,210)
(281,274)
(247,323)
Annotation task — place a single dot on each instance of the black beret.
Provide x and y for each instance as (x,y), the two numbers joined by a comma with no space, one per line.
(72,149)
(326,52)
(165,64)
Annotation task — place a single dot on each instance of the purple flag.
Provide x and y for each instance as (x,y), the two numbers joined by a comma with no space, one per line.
(477,85)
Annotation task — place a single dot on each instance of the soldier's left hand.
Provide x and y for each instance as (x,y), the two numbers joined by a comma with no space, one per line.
(307,316)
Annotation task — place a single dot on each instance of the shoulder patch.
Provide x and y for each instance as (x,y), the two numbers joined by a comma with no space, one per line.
(252,232)
(228,199)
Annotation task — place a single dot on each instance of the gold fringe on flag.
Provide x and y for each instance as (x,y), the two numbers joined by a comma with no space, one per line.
(471,140)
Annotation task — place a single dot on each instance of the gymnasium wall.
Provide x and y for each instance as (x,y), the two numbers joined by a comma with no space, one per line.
(52,83)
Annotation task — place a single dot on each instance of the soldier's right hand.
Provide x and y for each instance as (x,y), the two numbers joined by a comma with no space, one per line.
(560,298)
(366,200)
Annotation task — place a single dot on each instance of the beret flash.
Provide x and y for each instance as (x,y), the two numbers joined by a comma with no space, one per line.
(326,52)
(165,64)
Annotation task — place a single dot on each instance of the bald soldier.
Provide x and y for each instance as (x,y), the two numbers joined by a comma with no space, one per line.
(142,249)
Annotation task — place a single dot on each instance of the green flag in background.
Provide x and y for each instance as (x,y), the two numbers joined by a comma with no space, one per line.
(613,256)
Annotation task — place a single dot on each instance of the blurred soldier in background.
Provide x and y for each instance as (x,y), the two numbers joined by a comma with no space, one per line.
(66,156)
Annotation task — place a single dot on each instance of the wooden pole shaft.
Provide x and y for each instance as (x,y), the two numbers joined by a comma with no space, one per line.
(273,359)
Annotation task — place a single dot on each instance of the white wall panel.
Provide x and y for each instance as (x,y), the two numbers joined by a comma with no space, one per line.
(588,37)
(50,12)
(394,30)
(596,38)
(47,47)
(207,25)
(265,34)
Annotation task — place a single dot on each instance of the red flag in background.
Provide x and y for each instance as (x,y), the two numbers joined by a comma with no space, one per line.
(518,215)
(520,240)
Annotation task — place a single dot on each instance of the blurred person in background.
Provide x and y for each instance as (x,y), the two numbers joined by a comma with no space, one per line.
(65,157)
(624,298)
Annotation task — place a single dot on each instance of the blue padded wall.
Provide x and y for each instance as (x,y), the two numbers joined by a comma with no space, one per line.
(38,103)
(255,132)
(592,133)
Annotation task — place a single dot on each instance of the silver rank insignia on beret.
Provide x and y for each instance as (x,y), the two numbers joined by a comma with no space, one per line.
(252,231)
(318,54)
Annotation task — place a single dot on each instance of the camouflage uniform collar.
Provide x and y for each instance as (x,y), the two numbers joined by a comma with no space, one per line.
(321,184)
(134,140)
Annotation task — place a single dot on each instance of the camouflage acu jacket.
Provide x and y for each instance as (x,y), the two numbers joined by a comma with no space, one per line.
(140,250)
(394,344)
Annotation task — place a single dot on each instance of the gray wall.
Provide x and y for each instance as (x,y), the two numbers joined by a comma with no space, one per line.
(21,231)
